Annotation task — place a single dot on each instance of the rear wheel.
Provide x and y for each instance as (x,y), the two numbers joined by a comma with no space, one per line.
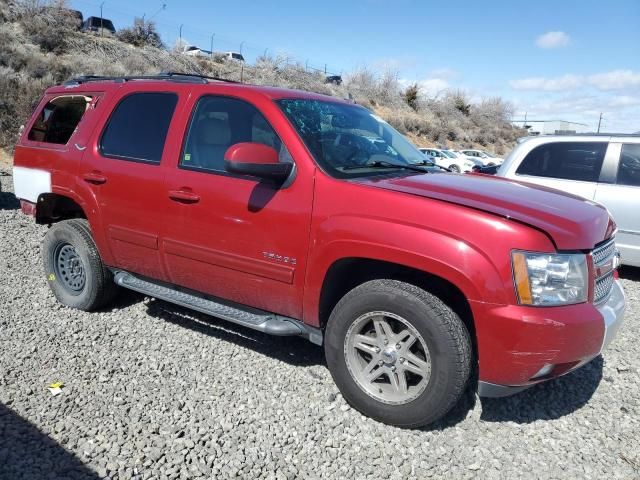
(397,353)
(77,277)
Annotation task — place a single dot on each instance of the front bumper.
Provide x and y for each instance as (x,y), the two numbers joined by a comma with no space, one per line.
(515,342)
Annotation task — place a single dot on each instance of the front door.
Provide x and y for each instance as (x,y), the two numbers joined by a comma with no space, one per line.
(231,236)
(123,168)
(621,196)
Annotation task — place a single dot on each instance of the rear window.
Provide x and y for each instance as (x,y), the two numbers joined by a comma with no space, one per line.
(137,129)
(580,161)
(58,119)
(629,168)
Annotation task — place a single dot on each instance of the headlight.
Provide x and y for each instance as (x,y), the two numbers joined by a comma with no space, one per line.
(546,280)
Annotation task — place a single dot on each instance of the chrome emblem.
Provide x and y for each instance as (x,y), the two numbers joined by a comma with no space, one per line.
(279,258)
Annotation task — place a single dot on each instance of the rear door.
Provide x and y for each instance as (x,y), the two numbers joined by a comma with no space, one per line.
(572,167)
(620,193)
(123,168)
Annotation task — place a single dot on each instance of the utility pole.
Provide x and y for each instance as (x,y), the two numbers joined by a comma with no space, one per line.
(101,29)
(525,120)
(180,37)
(599,122)
(211,49)
(241,44)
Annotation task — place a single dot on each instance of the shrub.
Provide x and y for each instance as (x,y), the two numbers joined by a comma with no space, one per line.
(411,95)
(141,34)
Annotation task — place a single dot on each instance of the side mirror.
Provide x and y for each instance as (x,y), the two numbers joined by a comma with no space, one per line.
(256,160)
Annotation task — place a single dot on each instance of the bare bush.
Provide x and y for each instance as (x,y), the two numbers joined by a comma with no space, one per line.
(141,34)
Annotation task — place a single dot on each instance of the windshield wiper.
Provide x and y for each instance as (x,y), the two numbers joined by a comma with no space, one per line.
(381,164)
(431,164)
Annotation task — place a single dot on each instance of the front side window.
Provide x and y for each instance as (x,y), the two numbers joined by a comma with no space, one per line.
(138,127)
(347,140)
(220,122)
(58,119)
(629,167)
(580,161)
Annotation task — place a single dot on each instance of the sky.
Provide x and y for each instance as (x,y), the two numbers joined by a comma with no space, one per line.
(552,59)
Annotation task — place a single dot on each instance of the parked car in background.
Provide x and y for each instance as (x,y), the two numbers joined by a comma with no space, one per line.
(334,79)
(486,158)
(449,160)
(490,170)
(602,168)
(233,56)
(458,154)
(194,51)
(98,25)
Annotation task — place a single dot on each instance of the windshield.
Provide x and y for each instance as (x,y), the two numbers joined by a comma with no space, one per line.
(448,154)
(346,139)
(491,155)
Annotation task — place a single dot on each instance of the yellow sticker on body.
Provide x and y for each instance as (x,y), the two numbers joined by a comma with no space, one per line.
(52,277)
(187,157)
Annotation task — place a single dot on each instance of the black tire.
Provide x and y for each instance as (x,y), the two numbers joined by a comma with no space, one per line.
(96,288)
(454,168)
(444,333)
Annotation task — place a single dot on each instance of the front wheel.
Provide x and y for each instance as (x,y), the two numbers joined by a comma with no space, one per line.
(397,353)
(73,266)
(454,168)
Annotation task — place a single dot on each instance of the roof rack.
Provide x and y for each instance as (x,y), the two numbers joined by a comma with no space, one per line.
(167,76)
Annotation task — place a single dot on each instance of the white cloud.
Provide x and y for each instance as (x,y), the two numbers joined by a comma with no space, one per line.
(615,80)
(436,82)
(553,40)
(566,82)
(433,86)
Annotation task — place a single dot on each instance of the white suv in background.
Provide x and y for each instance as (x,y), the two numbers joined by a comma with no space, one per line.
(486,158)
(442,158)
(602,168)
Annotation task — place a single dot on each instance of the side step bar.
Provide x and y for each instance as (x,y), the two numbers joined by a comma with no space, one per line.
(247,317)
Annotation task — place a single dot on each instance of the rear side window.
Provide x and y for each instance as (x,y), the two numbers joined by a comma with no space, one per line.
(58,119)
(138,127)
(566,160)
(629,167)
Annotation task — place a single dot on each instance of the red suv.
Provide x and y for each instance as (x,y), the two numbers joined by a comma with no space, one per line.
(299,214)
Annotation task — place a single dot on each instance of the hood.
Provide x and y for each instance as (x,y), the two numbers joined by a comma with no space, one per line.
(572,222)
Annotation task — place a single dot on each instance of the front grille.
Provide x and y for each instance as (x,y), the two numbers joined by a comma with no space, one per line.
(604,252)
(602,255)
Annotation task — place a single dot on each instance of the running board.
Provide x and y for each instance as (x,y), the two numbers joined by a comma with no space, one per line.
(247,317)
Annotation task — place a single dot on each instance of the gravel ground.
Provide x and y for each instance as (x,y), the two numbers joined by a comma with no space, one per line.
(154,391)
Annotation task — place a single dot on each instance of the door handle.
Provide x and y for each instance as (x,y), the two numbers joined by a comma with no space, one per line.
(95,178)
(183,196)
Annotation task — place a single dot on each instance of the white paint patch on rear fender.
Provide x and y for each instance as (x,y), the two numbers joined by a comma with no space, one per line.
(30,183)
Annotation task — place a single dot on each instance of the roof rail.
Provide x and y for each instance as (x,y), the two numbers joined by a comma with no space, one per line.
(167,76)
